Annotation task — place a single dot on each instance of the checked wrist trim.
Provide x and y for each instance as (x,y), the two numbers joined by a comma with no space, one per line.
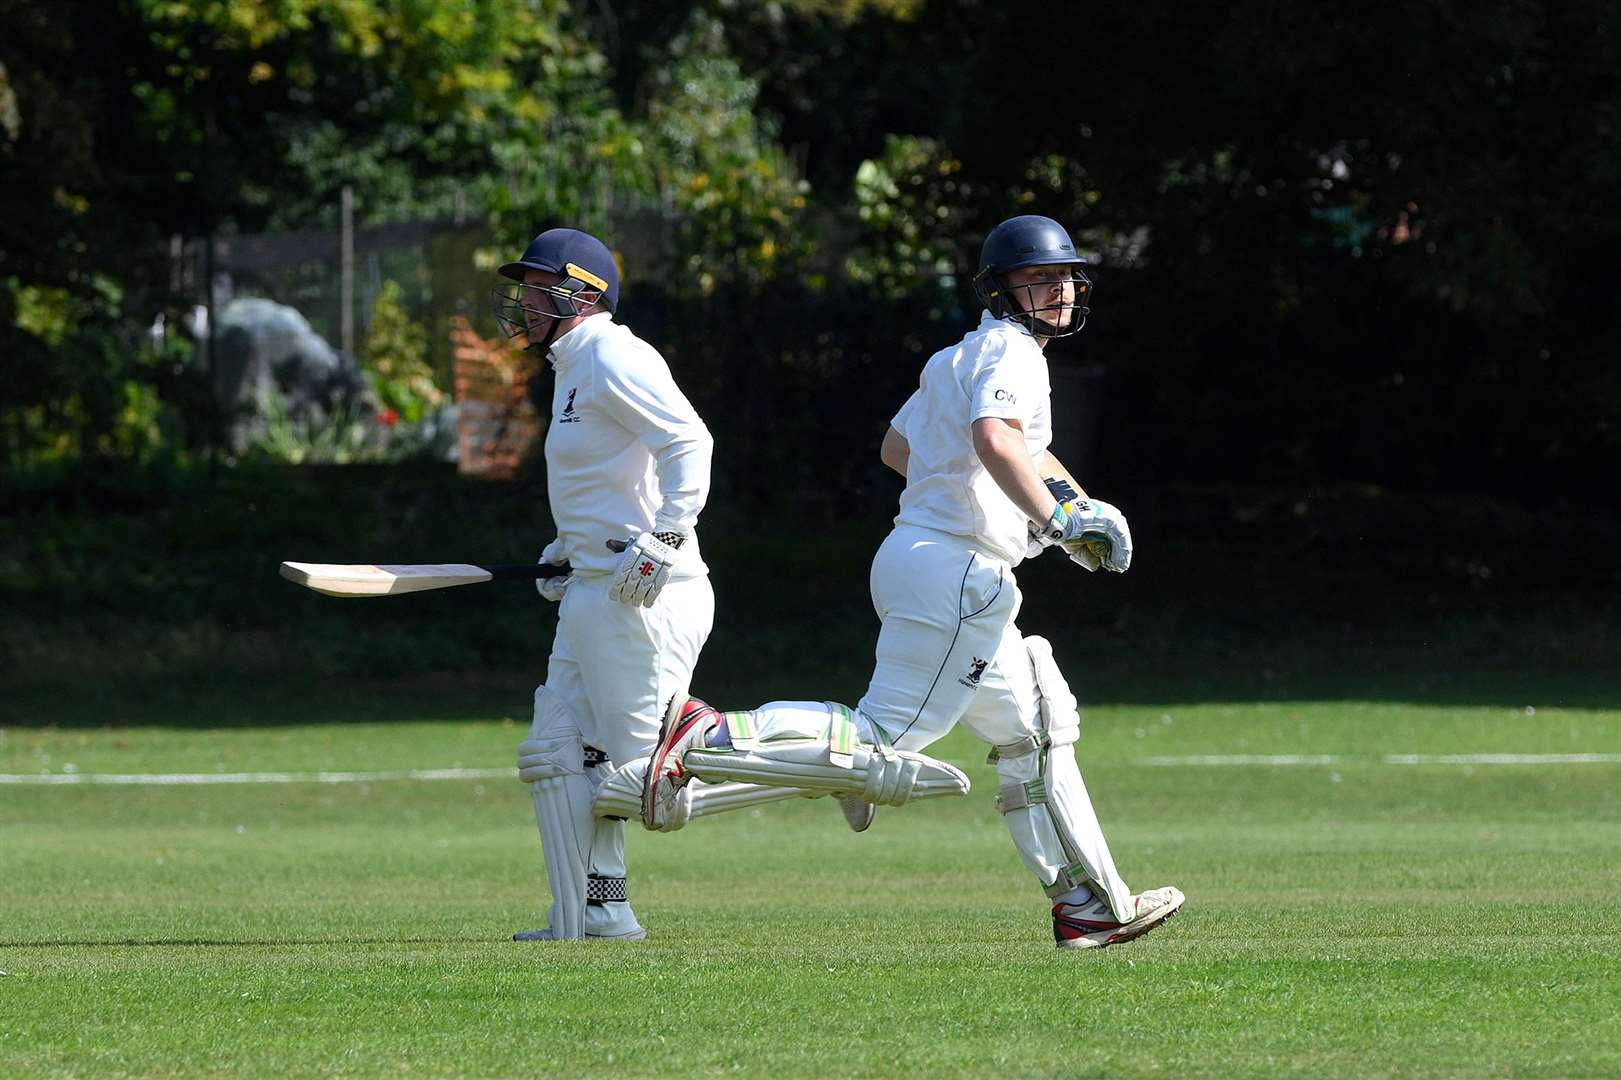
(673,539)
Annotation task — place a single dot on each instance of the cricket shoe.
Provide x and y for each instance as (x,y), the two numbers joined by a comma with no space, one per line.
(1092,925)
(686,722)
(858,812)
(636,933)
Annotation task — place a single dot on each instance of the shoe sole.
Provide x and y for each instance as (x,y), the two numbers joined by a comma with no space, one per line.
(1129,932)
(858,812)
(639,934)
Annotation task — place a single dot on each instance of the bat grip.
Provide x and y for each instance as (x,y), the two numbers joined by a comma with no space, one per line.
(529,571)
(532,571)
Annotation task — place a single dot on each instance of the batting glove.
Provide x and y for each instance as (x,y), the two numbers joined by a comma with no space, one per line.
(1085,557)
(1091,529)
(645,568)
(553,588)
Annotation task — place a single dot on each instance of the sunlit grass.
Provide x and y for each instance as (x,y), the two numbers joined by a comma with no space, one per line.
(1355,918)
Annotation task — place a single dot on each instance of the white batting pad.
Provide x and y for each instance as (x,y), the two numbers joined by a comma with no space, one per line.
(899,777)
(566,848)
(620,796)
(1045,802)
(822,747)
(552,762)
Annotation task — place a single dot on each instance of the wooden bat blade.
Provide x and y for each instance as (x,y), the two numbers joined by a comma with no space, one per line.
(1064,487)
(391,579)
(363,579)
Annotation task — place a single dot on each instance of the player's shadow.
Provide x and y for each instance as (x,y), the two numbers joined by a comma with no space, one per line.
(227,943)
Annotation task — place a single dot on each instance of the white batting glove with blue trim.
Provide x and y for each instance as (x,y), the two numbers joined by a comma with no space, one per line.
(1091,529)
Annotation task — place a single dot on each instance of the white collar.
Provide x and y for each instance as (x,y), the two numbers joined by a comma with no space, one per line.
(574,344)
(987,321)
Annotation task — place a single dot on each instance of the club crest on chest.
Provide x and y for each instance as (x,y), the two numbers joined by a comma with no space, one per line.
(568,415)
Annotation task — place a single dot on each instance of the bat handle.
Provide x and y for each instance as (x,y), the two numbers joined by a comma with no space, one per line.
(529,571)
(532,571)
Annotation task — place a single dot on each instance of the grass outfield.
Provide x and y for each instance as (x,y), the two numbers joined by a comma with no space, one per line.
(1355,917)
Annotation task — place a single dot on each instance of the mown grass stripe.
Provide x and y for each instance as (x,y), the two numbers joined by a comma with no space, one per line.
(166,779)
(1196,760)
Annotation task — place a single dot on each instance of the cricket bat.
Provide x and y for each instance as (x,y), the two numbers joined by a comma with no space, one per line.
(1065,488)
(367,579)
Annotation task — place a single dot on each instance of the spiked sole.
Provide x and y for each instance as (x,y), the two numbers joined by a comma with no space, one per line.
(858,812)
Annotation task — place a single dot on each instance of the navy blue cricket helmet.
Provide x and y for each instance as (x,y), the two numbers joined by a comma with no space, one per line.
(1031,240)
(566,252)
(583,262)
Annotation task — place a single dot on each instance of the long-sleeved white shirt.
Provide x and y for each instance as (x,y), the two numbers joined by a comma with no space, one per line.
(625,452)
(996,370)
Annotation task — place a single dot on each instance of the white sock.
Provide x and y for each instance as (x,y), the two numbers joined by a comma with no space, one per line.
(1076,897)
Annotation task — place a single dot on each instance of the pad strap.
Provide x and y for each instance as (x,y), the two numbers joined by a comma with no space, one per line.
(883,743)
(1069,877)
(1011,797)
(1018,748)
(742,728)
(842,739)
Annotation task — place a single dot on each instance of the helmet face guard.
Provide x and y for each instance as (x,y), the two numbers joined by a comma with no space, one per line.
(520,308)
(1025,304)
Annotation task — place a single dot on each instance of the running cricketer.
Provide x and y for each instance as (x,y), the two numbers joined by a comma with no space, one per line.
(949,650)
(627,458)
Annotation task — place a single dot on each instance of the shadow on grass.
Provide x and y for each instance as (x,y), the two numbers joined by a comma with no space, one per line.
(188,943)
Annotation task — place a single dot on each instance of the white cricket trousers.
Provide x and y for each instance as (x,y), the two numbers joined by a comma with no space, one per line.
(617,665)
(948,651)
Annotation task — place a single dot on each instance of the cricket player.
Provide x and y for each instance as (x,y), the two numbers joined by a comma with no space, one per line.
(627,459)
(949,650)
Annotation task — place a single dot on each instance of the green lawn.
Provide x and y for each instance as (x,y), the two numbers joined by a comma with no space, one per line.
(1349,918)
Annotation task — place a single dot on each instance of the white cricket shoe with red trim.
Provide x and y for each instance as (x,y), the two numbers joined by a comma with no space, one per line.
(686,722)
(1092,925)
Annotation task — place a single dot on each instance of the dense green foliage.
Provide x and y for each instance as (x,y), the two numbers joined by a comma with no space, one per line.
(1369,249)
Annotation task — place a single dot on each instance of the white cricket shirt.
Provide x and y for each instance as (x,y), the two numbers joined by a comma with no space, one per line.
(996,370)
(625,452)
